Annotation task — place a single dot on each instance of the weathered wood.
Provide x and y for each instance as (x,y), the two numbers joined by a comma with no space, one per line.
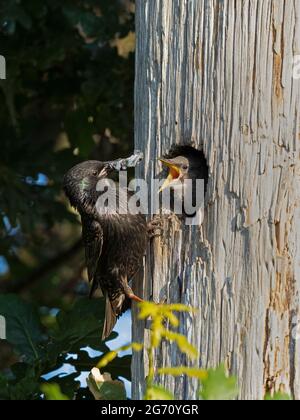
(218,73)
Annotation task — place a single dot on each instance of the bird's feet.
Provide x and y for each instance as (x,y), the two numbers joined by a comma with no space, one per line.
(134,297)
(155,227)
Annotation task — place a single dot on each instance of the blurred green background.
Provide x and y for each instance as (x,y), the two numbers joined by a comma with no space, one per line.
(68,97)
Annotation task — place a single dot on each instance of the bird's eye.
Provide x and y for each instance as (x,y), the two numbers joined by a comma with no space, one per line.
(95,173)
(184,167)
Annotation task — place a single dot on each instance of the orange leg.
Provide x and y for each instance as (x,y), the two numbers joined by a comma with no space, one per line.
(132,296)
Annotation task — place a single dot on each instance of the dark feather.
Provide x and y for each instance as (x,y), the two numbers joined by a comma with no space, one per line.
(114,243)
(92,235)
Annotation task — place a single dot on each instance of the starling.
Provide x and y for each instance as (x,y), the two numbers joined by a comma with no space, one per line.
(114,243)
(183,163)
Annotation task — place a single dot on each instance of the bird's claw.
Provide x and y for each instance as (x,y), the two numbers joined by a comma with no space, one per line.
(135,298)
(155,227)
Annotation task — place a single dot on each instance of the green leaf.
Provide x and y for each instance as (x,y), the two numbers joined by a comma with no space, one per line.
(69,384)
(53,393)
(174,321)
(278,396)
(156,392)
(120,366)
(179,307)
(148,309)
(217,386)
(21,384)
(114,390)
(106,359)
(80,327)
(25,389)
(111,359)
(184,345)
(110,356)
(104,388)
(23,327)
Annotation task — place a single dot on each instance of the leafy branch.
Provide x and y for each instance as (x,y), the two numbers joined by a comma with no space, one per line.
(214,384)
(40,350)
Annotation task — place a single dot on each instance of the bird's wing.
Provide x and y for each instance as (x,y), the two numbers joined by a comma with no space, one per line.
(92,235)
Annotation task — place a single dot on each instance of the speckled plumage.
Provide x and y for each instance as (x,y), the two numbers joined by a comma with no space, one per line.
(114,243)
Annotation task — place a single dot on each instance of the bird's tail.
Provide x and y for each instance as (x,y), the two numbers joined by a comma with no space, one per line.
(114,309)
(110,319)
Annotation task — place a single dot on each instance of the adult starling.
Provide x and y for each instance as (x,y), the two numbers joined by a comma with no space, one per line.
(114,243)
(184,163)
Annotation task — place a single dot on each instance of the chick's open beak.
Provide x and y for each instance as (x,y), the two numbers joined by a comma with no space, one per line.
(174,173)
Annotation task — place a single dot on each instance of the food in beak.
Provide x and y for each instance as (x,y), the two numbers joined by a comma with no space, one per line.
(130,162)
(174,173)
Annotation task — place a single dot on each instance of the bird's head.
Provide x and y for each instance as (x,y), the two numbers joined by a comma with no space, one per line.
(185,163)
(178,171)
(80,183)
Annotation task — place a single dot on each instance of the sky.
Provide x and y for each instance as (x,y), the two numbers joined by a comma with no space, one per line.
(3,266)
(123,328)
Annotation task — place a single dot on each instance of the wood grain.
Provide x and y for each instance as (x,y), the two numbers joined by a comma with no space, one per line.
(218,74)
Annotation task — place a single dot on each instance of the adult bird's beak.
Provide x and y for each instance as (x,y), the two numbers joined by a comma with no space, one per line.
(174,172)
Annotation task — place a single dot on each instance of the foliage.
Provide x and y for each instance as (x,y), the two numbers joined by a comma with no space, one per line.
(53,392)
(214,384)
(23,327)
(278,396)
(156,393)
(159,314)
(40,350)
(103,387)
(68,96)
